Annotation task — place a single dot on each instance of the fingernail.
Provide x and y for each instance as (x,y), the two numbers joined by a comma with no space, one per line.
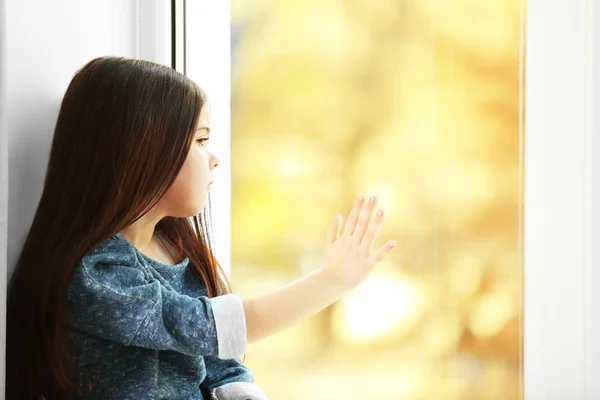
(372,199)
(361,198)
(391,244)
(380,213)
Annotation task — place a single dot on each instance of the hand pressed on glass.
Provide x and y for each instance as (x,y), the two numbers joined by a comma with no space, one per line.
(349,257)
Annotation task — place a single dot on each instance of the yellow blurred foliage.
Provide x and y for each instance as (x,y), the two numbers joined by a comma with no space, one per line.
(418,102)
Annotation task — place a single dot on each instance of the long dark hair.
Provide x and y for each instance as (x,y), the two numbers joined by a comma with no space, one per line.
(123,133)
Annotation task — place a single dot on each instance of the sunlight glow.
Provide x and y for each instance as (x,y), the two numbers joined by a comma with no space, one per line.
(381,304)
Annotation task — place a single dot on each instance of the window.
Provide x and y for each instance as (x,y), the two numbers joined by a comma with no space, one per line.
(422,103)
(419,103)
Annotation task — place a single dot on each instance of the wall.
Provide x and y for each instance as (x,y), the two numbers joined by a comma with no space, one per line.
(42,45)
(44,48)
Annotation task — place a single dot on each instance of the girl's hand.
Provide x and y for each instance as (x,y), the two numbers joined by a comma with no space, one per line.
(348,258)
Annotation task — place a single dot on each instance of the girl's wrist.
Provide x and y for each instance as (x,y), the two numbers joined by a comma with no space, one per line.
(334,281)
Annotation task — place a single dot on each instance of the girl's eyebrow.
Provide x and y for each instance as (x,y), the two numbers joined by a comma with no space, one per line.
(204,127)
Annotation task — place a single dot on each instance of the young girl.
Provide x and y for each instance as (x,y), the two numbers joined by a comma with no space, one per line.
(117,294)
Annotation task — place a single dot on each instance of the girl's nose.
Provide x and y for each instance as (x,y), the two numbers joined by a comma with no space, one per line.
(215,161)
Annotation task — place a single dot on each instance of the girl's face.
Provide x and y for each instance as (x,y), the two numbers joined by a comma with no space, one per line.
(187,196)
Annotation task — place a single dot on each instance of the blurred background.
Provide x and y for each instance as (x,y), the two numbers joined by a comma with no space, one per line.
(419,103)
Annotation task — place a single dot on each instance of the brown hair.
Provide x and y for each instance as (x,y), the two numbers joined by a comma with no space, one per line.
(123,133)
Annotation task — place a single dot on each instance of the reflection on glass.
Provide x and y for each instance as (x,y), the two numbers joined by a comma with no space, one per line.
(419,103)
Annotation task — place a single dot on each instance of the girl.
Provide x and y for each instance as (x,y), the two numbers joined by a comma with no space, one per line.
(116,293)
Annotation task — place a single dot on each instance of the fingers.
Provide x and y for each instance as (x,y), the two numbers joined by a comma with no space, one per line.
(353,217)
(367,241)
(363,221)
(333,233)
(376,257)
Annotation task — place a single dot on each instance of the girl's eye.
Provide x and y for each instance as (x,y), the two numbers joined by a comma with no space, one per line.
(203,140)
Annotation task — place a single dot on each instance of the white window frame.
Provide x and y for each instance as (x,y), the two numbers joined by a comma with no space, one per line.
(209,66)
(153,31)
(3,196)
(559,186)
(559,323)
(208,62)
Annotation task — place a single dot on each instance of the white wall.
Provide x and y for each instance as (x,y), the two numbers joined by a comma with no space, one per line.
(43,43)
(47,42)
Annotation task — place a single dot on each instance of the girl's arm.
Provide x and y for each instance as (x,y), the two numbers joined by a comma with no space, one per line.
(348,260)
(229,380)
(113,299)
(284,307)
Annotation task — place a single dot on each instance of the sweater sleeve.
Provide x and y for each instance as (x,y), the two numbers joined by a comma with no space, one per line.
(117,302)
(230,380)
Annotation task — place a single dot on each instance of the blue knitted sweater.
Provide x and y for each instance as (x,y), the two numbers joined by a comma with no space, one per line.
(147,330)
